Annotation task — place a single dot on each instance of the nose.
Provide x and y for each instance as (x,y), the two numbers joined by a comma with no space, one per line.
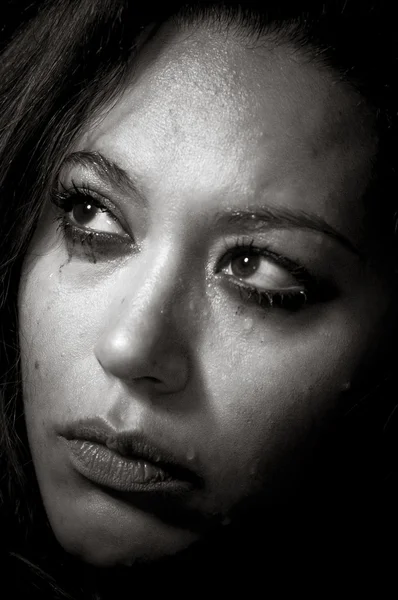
(142,345)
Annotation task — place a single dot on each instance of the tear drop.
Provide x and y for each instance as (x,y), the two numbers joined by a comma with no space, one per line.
(248,324)
(191,454)
(210,290)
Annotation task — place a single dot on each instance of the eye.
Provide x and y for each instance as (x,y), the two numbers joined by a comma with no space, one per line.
(267,279)
(89,213)
(92,226)
(261,272)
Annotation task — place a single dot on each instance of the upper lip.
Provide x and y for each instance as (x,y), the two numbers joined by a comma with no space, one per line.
(131,444)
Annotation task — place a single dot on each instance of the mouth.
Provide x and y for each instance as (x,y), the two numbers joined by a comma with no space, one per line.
(127,462)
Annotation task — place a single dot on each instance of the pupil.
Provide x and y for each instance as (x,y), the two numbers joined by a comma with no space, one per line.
(245,266)
(84,212)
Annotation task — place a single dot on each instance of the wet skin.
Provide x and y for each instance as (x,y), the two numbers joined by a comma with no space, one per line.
(231,304)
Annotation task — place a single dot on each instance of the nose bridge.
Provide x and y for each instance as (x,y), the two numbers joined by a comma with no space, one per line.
(151,287)
(142,336)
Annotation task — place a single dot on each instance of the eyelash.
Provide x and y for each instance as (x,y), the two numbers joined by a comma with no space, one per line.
(65,199)
(93,243)
(291,301)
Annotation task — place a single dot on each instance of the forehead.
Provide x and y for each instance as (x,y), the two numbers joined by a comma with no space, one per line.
(205,108)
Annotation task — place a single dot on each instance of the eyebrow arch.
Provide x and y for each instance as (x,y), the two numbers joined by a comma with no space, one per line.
(106,169)
(259,219)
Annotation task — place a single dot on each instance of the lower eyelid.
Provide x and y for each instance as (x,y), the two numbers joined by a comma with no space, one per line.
(241,283)
(275,299)
(247,283)
(94,244)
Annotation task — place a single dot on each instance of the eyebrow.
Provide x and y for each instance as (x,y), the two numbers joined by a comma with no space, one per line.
(106,169)
(255,219)
(259,219)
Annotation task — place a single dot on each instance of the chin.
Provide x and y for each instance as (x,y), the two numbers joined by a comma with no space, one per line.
(114,554)
(105,532)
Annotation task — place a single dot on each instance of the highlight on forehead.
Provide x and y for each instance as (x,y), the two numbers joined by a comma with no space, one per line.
(334,138)
(266,27)
(347,118)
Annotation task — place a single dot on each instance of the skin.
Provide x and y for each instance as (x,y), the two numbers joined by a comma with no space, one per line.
(155,337)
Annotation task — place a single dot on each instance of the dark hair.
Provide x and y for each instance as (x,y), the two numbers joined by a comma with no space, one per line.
(61,64)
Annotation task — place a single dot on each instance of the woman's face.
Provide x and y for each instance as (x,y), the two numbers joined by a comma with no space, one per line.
(193,309)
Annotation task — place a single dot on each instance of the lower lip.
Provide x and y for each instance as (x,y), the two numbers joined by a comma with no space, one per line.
(109,469)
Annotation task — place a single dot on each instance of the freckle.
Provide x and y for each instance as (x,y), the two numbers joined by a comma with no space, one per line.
(37,365)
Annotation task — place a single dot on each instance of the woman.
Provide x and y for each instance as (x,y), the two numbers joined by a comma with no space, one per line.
(198,266)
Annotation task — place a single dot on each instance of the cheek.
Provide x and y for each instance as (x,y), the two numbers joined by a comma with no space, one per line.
(55,327)
(269,398)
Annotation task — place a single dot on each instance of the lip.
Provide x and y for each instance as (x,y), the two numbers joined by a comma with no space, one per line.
(125,461)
